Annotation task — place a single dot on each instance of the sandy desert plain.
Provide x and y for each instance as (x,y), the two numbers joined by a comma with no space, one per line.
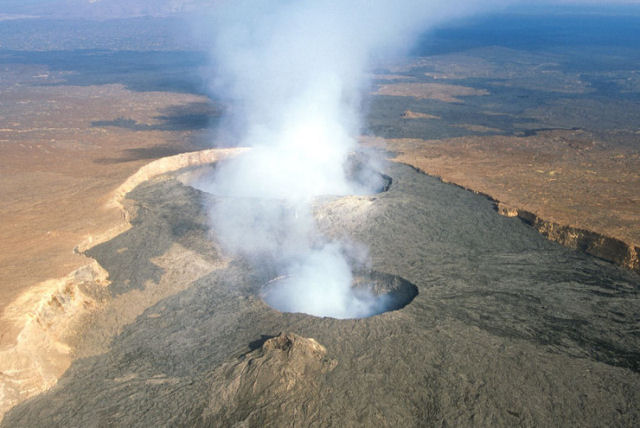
(514,211)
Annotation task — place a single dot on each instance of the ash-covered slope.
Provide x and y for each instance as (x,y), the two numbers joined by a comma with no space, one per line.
(507,328)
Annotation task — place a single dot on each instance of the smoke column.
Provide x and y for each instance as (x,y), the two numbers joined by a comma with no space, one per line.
(294,73)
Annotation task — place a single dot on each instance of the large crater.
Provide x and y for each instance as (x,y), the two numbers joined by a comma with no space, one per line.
(364,178)
(369,294)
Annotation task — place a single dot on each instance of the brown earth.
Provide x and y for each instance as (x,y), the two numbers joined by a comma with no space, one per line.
(435,91)
(58,171)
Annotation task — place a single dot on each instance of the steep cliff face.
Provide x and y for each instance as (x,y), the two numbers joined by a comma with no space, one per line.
(145,173)
(596,244)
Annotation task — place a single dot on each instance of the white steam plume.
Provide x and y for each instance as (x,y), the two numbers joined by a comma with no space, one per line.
(294,72)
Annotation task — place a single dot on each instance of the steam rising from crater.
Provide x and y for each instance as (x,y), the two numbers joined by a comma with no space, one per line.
(294,73)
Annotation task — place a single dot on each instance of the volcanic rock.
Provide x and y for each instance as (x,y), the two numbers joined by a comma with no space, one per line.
(506,329)
(279,379)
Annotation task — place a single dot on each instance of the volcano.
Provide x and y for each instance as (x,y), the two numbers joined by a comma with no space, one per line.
(504,327)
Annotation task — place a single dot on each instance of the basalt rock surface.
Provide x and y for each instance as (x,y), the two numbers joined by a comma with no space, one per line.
(507,328)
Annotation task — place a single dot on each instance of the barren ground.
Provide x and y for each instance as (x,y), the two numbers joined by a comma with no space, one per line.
(59,161)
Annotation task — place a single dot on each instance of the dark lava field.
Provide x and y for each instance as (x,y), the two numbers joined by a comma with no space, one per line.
(507,328)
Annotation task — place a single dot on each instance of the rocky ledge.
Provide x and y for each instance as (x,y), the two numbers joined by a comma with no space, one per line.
(602,246)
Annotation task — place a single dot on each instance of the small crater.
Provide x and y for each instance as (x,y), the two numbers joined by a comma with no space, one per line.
(370,294)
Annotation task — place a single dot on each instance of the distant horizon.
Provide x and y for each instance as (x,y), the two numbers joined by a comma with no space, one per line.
(523,27)
(101,10)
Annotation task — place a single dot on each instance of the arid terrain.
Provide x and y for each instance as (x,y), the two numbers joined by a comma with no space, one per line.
(64,149)
(123,310)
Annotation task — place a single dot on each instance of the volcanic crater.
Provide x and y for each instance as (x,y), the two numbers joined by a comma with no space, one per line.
(380,292)
(505,327)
